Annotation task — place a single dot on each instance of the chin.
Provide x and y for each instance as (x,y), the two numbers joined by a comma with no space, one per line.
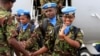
(68,23)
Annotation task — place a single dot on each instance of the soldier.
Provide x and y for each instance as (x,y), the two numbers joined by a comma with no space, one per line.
(70,37)
(46,28)
(6,26)
(25,33)
(60,4)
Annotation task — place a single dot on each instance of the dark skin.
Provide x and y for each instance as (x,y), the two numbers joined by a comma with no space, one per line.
(12,41)
(50,13)
(19,46)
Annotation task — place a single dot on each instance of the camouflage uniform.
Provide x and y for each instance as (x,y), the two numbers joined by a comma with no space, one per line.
(62,48)
(48,33)
(5,32)
(31,42)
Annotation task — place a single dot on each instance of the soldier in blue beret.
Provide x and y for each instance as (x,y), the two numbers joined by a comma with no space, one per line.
(23,26)
(48,5)
(50,22)
(70,37)
(19,11)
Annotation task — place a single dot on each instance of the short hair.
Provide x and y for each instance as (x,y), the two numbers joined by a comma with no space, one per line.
(6,1)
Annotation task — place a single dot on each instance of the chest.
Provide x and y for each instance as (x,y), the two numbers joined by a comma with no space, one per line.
(24,35)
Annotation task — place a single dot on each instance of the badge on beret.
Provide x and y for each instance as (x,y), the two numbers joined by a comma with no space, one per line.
(49,5)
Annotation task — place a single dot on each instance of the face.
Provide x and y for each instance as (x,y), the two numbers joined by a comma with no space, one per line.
(50,12)
(9,6)
(24,19)
(68,19)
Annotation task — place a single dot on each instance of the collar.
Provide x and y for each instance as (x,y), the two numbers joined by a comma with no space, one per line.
(67,29)
(53,20)
(24,26)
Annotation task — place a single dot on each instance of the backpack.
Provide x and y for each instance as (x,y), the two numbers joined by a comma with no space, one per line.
(43,29)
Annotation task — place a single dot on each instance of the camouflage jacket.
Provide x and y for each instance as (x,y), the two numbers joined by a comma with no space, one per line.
(5,30)
(31,42)
(4,13)
(48,32)
(61,46)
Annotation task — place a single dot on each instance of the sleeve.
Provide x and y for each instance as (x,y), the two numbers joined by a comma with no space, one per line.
(79,37)
(11,30)
(4,14)
(37,38)
(49,39)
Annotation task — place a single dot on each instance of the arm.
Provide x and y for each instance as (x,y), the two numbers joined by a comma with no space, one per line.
(77,42)
(14,43)
(40,51)
(11,38)
(74,43)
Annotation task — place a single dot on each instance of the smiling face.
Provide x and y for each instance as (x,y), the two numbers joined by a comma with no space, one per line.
(68,19)
(24,19)
(50,12)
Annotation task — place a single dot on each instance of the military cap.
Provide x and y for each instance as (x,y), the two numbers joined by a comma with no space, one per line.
(20,11)
(25,12)
(68,10)
(49,5)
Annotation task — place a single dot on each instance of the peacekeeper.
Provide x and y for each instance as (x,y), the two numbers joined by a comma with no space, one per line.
(46,29)
(60,5)
(70,37)
(23,42)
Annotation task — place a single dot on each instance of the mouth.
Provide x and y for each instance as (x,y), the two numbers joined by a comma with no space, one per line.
(68,22)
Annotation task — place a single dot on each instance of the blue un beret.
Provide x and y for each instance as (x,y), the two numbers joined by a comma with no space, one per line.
(68,10)
(22,12)
(48,5)
(19,12)
(25,13)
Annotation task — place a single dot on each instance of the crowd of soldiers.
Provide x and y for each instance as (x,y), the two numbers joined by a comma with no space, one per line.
(54,36)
